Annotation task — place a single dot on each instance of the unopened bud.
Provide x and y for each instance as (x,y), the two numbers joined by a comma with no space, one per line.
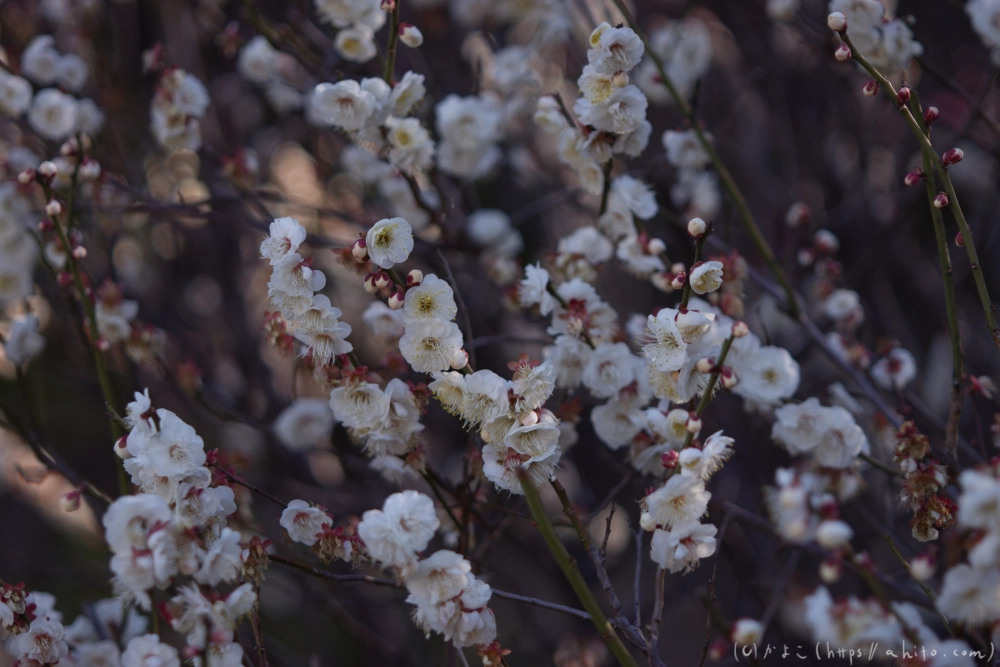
(837,22)
(64,279)
(679,280)
(903,96)
(414,278)
(696,227)
(843,53)
(913,177)
(662,282)
(746,632)
(826,242)
(103,344)
(620,79)
(53,208)
(705,365)
(382,279)
(669,459)
(27,176)
(831,570)
(740,329)
(693,423)
(922,567)
(952,156)
(960,240)
(70,147)
(728,378)
(656,247)
(798,214)
(806,256)
(870,88)
(941,201)
(931,114)
(396,300)
(410,35)
(79,252)
(121,448)
(48,169)
(833,534)
(360,250)
(529,419)
(70,502)
(388,5)
(45,225)
(90,170)
(370,285)
(461,360)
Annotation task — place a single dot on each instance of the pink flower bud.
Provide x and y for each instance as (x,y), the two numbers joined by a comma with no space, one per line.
(952,156)
(806,257)
(65,279)
(693,423)
(70,502)
(913,177)
(461,360)
(669,459)
(831,570)
(903,96)
(696,227)
(48,169)
(27,176)
(740,329)
(396,300)
(410,35)
(656,247)
(960,240)
(837,22)
(931,114)
(79,252)
(103,344)
(53,208)
(620,79)
(679,280)
(843,53)
(121,448)
(941,201)
(826,242)
(922,567)
(45,225)
(529,419)
(870,88)
(382,279)
(370,285)
(360,250)
(798,214)
(728,377)
(705,365)
(414,278)
(70,147)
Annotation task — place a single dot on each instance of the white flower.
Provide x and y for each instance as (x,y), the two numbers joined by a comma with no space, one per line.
(40,61)
(488,227)
(683,546)
(129,519)
(621,113)
(781,10)
(15,94)
(292,285)
(681,499)
(568,356)
(325,335)
(548,115)
(401,529)
(174,451)
(197,504)
(895,370)
(635,142)
(833,534)
(610,369)
(356,43)
(615,50)
(971,595)
(706,277)
(72,72)
(305,424)
(979,504)
(359,404)
(636,195)
(534,289)
(222,561)
(704,462)
(767,376)
(412,149)
(23,342)
(532,384)
(433,299)
(536,447)
(430,345)
(383,320)
(591,176)
(257,60)
(285,236)
(390,242)
(147,651)
(617,422)
(684,150)
(468,122)
(394,435)
(185,92)
(634,255)
(666,349)
(304,522)
(102,653)
(589,243)
(53,114)
(342,13)
(670,426)
(829,434)
(485,397)
(407,93)
(844,305)
(343,104)
(439,577)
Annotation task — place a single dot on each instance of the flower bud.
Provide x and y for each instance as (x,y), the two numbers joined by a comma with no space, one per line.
(941,201)
(705,365)
(831,570)
(620,79)
(669,459)
(79,252)
(843,53)
(740,329)
(70,502)
(370,285)
(461,360)
(360,250)
(662,282)
(826,242)
(696,227)
(64,279)
(913,177)
(903,96)
(396,300)
(833,534)
(837,22)
(121,448)
(960,240)
(931,114)
(746,631)
(48,169)
(103,344)
(729,378)
(414,278)
(410,35)
(806,256)
(69,147)
(90,170)
(952,156)
(388,5)
(922,567)
(656,247)
(27,176)
(798,214)
(529,419)
(870,88)
(382,279)
(53,208)
(45,225)
(679,280)
(693,423)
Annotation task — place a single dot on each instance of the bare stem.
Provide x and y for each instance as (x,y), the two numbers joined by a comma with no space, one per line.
(390,52)
(927,591)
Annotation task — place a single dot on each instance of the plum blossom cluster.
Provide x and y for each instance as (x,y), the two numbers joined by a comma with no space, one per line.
(177,108)
(886,42)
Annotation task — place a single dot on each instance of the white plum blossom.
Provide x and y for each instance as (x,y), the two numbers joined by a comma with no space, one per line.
(390,242)
(706,277)
(895,370)
(682,499)
(430,345)
(304,522)
(53,114)
(403,527)
(306,423)
(683,546)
